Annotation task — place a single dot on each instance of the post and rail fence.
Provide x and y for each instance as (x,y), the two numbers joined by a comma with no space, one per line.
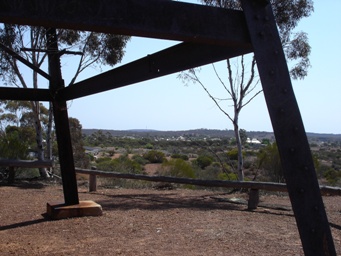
(254,187)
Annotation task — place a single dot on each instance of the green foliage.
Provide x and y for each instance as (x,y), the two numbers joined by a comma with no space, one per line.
(247,164)
(80,158)
(139,159)
(26,173)
(269,159)
(122,164)
(332,176)
(178,168)
(99,138)
(12,145)
(149,146)
(181,156)
(154,156)
(228,176)
(203,161)
(90,157)
(233,154)
(265,141)
(211,172)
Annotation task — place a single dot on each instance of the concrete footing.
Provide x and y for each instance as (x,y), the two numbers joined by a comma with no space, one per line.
(57,211)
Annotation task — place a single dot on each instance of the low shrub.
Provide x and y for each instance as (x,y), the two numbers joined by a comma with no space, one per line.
(177,168)
(181,156)
(154,156)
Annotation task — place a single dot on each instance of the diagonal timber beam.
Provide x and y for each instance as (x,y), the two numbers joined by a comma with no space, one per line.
(24,61)
(292,142)
(162,19)
(174,59)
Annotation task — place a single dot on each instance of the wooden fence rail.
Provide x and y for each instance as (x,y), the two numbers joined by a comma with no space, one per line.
(12,164)
(26,163)
(253,186)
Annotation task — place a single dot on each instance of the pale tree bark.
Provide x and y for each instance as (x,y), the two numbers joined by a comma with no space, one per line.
(240,152)
(240,91)
(49,138)
(35,57)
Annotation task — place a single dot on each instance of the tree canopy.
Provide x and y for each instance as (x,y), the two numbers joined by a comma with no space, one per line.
(287,13)
(29,45)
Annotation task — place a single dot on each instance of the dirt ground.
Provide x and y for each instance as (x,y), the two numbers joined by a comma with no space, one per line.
(152,222)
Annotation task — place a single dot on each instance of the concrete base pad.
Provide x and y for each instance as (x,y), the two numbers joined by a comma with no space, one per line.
(57,211)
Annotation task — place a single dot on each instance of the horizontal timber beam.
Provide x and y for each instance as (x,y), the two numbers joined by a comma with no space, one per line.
(162,19)
(174,59)
(29,94)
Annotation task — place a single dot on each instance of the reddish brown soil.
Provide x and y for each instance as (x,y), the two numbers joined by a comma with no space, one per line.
(151,222)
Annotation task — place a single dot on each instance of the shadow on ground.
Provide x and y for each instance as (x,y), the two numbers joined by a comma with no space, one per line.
(24,184)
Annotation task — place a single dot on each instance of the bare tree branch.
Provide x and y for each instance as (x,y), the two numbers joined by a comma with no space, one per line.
(254,96)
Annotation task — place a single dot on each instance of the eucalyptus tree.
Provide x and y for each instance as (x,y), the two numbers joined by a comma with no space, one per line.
(80,158)
(15,140)
(240,84)
(29,43)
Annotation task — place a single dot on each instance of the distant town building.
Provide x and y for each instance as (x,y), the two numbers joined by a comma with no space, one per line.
(252,141)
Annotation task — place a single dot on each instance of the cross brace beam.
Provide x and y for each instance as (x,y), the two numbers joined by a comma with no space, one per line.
(174,59)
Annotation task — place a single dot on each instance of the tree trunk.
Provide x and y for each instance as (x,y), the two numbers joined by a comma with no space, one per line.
(240,152)
(49,141)
(39,138)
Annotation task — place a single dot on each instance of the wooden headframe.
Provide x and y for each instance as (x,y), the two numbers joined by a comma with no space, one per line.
(206,35)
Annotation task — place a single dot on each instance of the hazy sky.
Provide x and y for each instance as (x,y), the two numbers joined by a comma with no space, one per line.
(167,104)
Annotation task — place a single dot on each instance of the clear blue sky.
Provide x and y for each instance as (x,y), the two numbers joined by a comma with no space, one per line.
(167,104)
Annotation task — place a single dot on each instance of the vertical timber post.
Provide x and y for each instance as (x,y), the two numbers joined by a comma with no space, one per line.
(61,121)
(93,181)
(253,199)
(289,131)
(11,174)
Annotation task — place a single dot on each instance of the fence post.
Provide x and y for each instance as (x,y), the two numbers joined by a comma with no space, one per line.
(253,199)
(93,181)
(11,175)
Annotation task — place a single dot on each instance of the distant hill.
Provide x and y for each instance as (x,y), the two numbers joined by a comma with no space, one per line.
(206,133)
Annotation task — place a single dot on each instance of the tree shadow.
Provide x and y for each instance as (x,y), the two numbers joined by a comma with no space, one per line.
(336,226)
(23,184)
(22,224)
(161,202)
